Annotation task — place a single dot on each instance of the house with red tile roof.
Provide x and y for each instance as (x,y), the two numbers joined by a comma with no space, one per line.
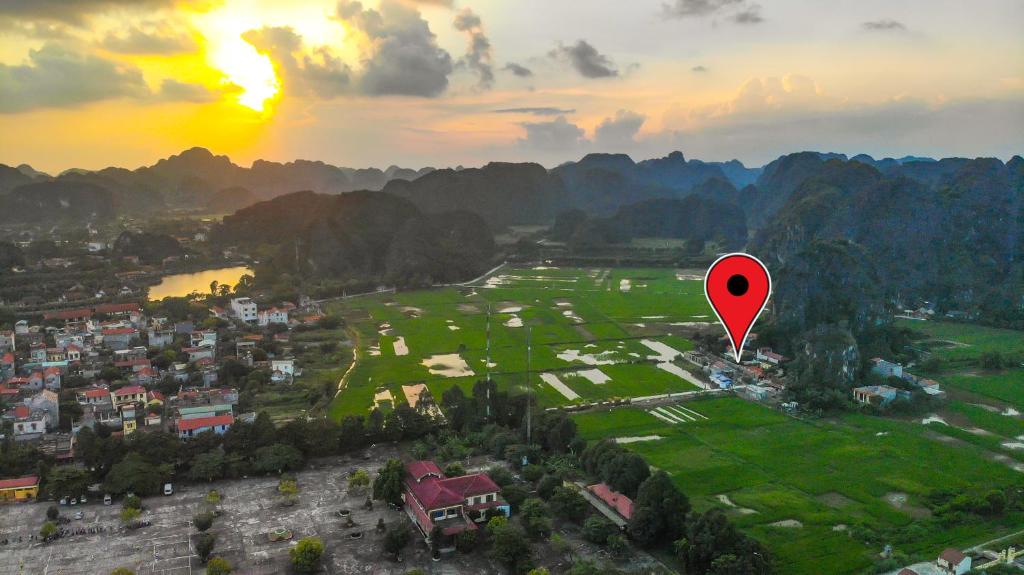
(128,395)
(613,501)
(219,424)
(19,488)
(452,504)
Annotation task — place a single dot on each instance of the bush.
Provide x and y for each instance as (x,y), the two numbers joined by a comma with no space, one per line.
(465,541)
(204,545)
(203,521)
(129,514)
(218,566)
(132,501)
(47,530)
(515,495)
(500,475)
(306,554)
(396,539)
(454,469)
(52,513)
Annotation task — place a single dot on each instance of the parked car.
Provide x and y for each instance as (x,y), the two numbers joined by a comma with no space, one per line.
(79,515)
(107,499)
(168,489)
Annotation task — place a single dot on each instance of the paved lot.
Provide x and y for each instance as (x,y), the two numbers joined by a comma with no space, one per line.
(249,512)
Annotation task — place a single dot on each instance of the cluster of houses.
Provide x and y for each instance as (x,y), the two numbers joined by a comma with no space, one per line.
(882,395)
(759,375)
(89,343)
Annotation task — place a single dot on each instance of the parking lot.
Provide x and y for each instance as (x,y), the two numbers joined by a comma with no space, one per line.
(249,512)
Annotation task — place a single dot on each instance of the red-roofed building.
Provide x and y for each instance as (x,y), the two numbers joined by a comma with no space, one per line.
(19,489)
(953,562)
(452,504)
(93,396)
(613,500)
(192,427)
(128,395)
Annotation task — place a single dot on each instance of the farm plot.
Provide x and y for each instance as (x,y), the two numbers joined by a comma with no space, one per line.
(439,337)
(797,486)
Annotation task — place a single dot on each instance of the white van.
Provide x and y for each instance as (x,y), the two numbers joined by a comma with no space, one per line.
(168,490)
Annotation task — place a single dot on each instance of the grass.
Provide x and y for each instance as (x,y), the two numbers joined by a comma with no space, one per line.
(594,316)
(784,468)
(969,341)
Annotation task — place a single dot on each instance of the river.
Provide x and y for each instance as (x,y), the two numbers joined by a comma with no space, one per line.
(178,285)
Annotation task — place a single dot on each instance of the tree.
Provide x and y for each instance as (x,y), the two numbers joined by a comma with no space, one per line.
(597,529)
(388,484)
(132,501)
(510,547)
(204,545)
(466,541)
(52,513)
(47,530)
(218,566)
(207,466)
(396,539)
(359,480)
(659,512)
(135,474)
(515,495)
(535,518)
(713,545)
(547,485)
(566,503)
(129,515)
(306,554)
(617,545)
(122,571)
(203,521)
(278,458)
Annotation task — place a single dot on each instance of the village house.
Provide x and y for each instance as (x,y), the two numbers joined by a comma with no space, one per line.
(953,562)
(219,424)
(21,327)
(48,402)
(37,352)
(160,336)
(19,488)
(51,378)
(615,506)
(128,395)
(452,504)
(272,315)
(886,368)
(880,395)
(282,370)
(198,353)
(244,309)
(119,337)
(766,355)
(204,338)
(26,423)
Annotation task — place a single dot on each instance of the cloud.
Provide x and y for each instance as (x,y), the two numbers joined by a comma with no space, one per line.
(558,134)
(518,70)
(884,25)
(55,76)
(171,89)
(586,60)
(71,12)
(740,11)
(536,111)
(478,53)
(749,15)
(699,69)
(618,131)
(321,74)
(154,39)
(402,56)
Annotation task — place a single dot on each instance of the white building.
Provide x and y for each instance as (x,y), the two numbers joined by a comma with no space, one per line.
(244,309)
(273,315)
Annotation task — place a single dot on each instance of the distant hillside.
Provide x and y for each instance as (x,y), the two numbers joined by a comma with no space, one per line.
(197,179)
(501,193)
(360,235)
(693,218)
(948,232)
(54,202)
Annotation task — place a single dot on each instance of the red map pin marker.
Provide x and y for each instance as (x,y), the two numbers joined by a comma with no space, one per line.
(737,287)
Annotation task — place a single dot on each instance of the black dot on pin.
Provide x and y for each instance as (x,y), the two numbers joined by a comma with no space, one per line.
(737,285)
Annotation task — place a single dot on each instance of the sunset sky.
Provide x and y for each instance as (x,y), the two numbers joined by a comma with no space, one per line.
(93,83)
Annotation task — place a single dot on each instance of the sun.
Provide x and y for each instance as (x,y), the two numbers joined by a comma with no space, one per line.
(246,68)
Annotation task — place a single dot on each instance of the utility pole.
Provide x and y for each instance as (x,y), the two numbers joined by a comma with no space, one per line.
(487,361)
(529,392)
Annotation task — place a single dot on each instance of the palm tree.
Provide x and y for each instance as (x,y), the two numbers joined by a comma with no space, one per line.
(213,287)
